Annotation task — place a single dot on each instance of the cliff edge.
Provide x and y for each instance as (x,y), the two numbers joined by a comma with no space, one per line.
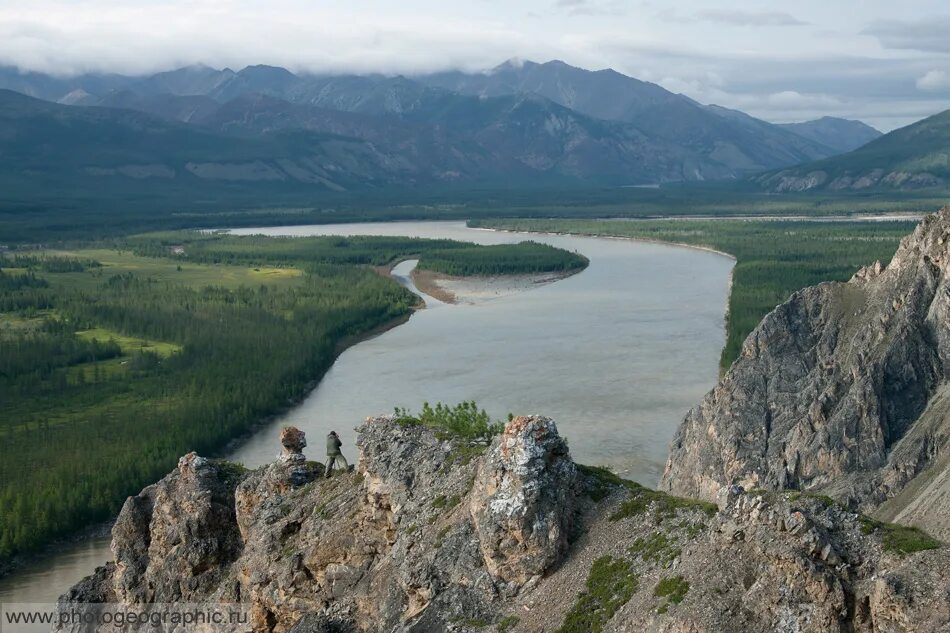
(432,533)
(842,390)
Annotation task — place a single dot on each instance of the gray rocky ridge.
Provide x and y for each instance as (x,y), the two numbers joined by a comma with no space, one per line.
(433,534)
(842,390)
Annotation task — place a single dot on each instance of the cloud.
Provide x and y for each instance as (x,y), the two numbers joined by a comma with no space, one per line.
(769,64)
(880,92)
(751,18)
(934,80)
(794,100)
(928,35)
(708,85)
(873,87)
(792,106)
(735,17)
(591,7)
(67,38)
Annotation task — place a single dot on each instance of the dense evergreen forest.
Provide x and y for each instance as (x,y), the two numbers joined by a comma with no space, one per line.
(53,216)
(502,259)
(116,361)
(441,255)
(774,258)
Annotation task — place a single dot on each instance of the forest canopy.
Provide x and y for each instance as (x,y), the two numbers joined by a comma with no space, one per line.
(502,259)
(440,255)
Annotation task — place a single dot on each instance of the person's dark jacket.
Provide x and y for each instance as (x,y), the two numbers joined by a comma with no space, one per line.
(333,444)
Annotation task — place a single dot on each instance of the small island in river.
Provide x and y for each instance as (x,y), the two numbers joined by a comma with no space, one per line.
(481,273)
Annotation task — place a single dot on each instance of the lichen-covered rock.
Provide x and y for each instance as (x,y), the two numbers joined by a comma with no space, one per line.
(388,547)
(836,389)
(262,492)
(803,564)
(174,541)
(762,562)
(430,536)
(523,501)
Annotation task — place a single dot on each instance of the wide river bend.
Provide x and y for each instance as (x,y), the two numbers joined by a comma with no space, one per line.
(615,354)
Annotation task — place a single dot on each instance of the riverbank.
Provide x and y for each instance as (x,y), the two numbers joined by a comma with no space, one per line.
(605,236)
(773,258)
(101,530)
(55,548)
(471,290)
(854,217)
(341,346)
(645,240)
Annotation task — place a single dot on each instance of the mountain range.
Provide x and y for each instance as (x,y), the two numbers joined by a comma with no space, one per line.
(521,123)
(912,157)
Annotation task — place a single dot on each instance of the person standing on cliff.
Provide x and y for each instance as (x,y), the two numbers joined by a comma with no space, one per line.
(334,454)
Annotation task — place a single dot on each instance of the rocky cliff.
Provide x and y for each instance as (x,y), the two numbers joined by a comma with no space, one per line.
(842,390)
(433,533)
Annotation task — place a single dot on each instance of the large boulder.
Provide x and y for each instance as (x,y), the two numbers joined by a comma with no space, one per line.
(292,441)
(523,501)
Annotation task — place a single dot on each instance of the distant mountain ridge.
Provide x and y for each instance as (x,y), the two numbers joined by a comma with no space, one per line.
(607,94)
(575,88)
(913,157)
(842,134)
(519,124)
(267,141)
(82,148)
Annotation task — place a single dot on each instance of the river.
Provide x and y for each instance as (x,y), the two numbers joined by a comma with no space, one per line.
(615,354)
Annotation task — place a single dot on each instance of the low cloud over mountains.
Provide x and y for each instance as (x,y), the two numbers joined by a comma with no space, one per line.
(882,65)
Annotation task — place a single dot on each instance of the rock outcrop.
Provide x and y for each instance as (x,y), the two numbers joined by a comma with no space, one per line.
(522,502)
(760,562)
(433,533)
(178,537)
(837,390)
(403,542)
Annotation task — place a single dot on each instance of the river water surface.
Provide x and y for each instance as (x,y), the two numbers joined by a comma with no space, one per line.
(615,354)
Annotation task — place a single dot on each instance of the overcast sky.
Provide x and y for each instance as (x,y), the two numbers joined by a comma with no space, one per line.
(885,62)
